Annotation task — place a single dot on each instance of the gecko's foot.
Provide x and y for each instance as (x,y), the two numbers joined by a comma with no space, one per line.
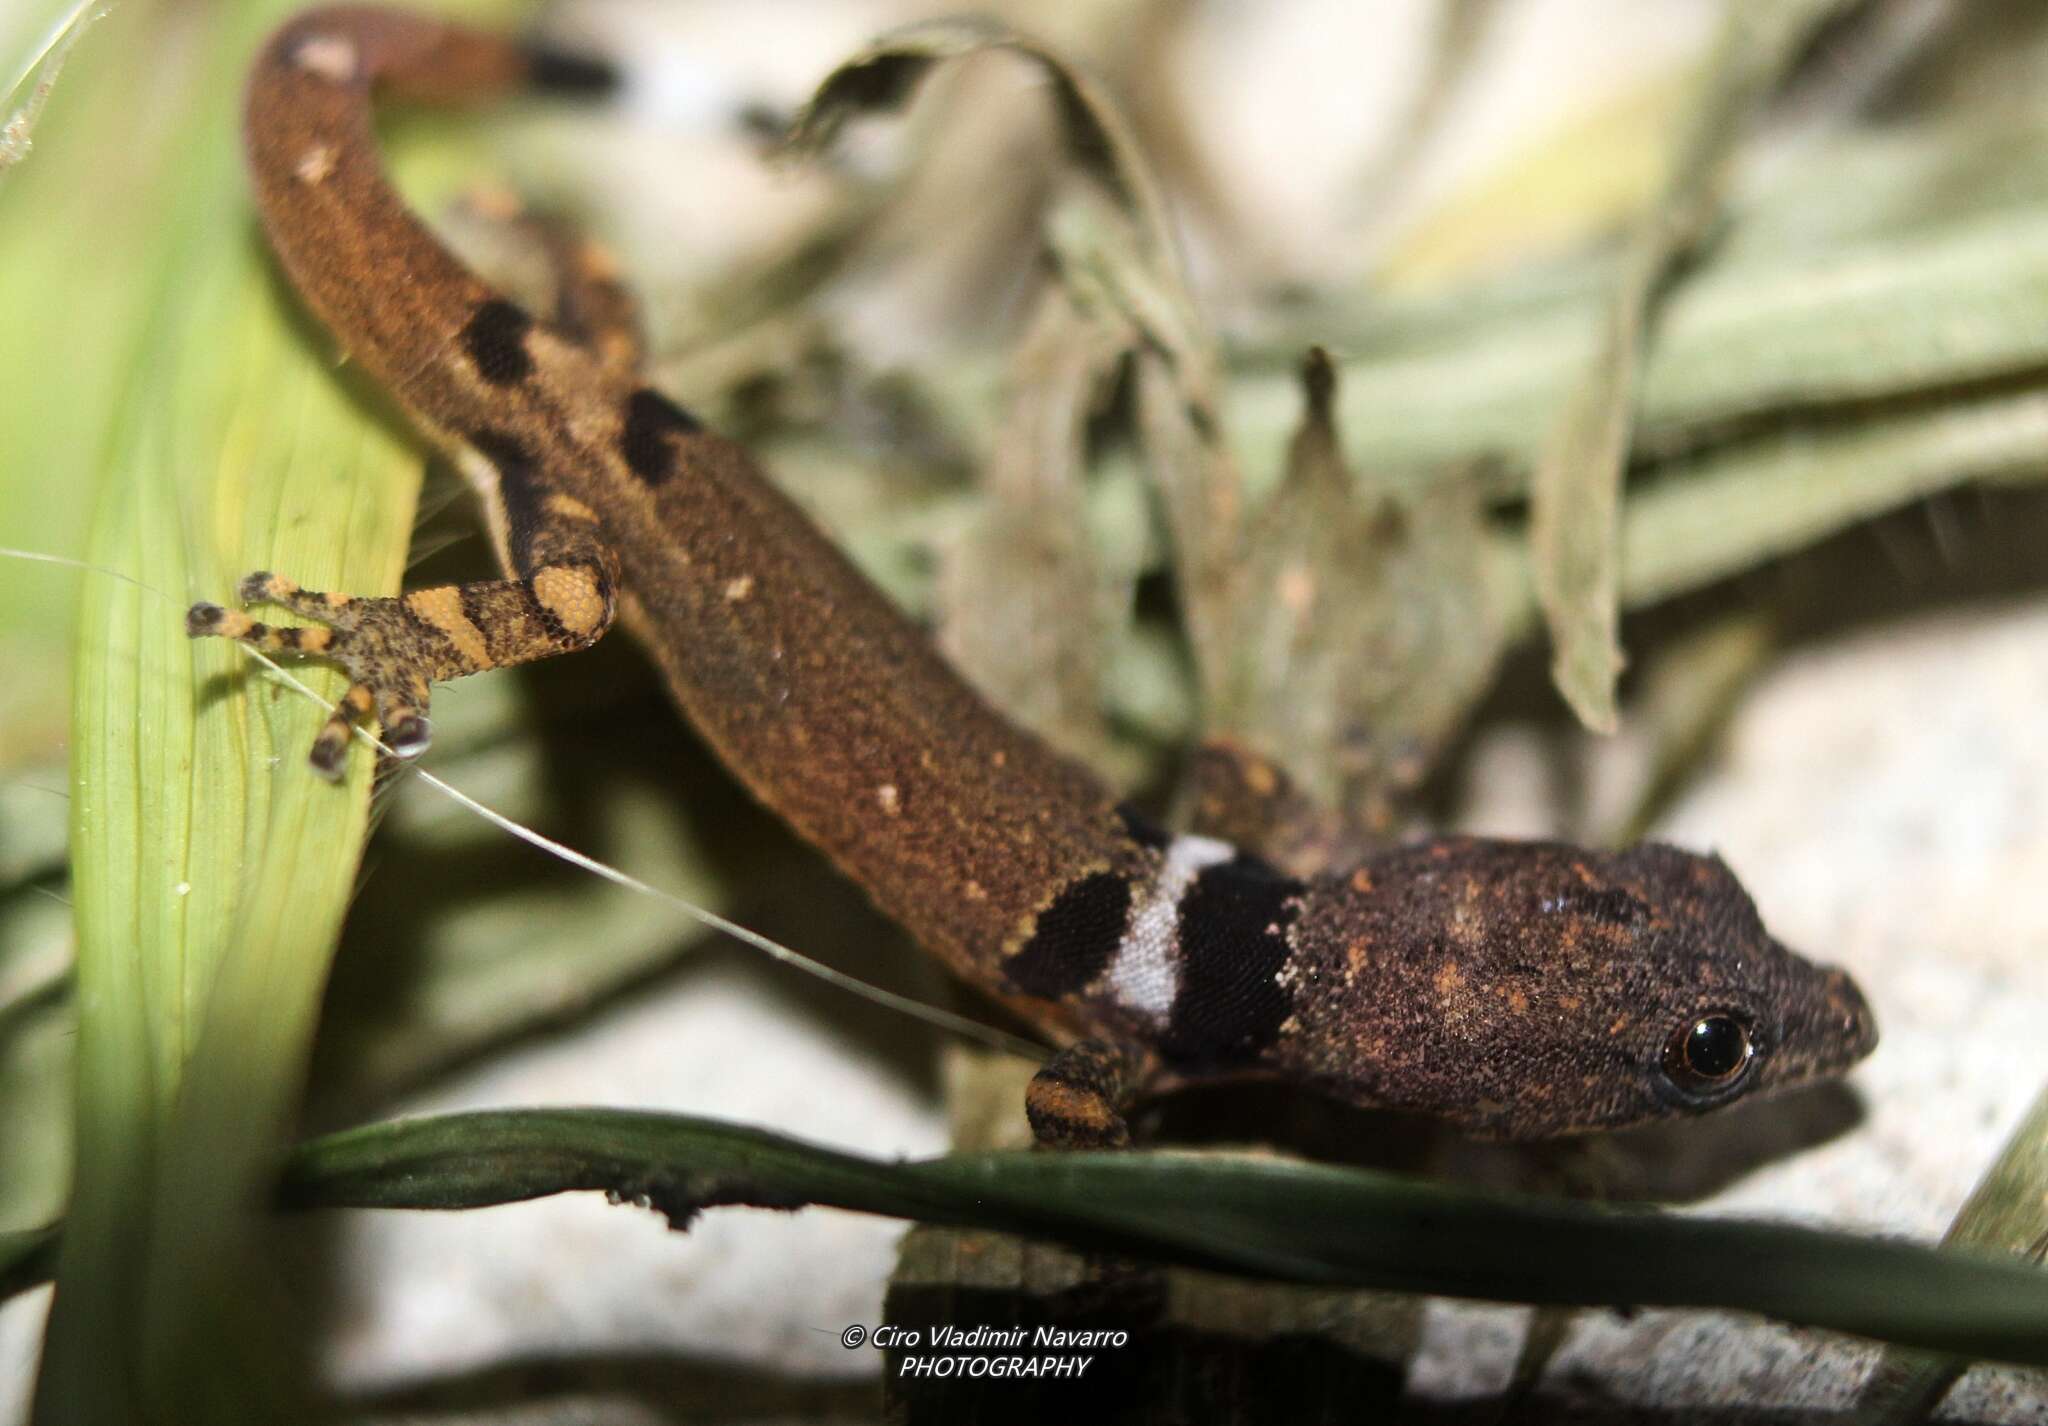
(1078,1100)
(376,640)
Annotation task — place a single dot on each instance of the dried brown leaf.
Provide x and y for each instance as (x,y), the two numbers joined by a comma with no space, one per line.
(1026,607)
(1365,621)
(1575,496)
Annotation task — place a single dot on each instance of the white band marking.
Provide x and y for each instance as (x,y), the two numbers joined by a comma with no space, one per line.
(1145,975)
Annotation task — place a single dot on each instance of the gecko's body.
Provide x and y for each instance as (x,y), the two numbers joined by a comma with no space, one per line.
(1516,988)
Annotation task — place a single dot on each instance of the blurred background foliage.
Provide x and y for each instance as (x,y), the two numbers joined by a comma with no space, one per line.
(1741,342)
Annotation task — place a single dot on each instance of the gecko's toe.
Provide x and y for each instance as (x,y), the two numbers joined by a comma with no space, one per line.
(330,749)
(206,620)
(409,736)
(265,587)
(329,756)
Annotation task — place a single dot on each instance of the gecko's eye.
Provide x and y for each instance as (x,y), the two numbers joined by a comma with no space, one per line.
(1708,1054)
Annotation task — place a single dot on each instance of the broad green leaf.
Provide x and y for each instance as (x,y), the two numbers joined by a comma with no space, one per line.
(210,870)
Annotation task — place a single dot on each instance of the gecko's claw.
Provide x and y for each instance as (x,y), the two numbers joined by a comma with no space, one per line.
(409,736)
(330,749)
(204,620)
(329,756)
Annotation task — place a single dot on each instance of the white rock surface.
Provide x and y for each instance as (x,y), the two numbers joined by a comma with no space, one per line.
(426,1294)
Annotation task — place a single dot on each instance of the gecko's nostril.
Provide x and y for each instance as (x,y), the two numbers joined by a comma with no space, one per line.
(1864,1025)
(1858,1024)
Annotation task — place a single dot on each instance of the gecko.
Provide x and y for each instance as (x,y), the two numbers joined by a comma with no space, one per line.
(1516,989)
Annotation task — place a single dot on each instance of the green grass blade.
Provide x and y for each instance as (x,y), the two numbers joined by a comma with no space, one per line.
(1294,1221)
(2006,1212)
(211,869)
(27,1257)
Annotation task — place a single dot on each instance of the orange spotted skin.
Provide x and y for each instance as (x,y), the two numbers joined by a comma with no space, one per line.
(1517,989)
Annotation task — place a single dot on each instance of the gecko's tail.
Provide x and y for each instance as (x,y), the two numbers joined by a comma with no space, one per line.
(424,60)
(372,272)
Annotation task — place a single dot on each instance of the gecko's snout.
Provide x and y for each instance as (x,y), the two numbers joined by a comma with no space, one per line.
(1827,1026)
(1857,1024)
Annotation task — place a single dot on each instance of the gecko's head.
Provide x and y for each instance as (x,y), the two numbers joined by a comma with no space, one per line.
(1571,990)
(1726,1010)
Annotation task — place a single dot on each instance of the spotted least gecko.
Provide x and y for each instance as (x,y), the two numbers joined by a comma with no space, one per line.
(1516,989)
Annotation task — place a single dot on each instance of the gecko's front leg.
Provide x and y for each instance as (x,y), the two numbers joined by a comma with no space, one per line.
(495,386)
(394,649)
(563,599)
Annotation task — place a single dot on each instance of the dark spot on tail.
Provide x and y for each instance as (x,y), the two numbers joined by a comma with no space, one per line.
(651,421)
(1074,939)
(556,71)
(203,619)
(496,342)
(1233,940)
